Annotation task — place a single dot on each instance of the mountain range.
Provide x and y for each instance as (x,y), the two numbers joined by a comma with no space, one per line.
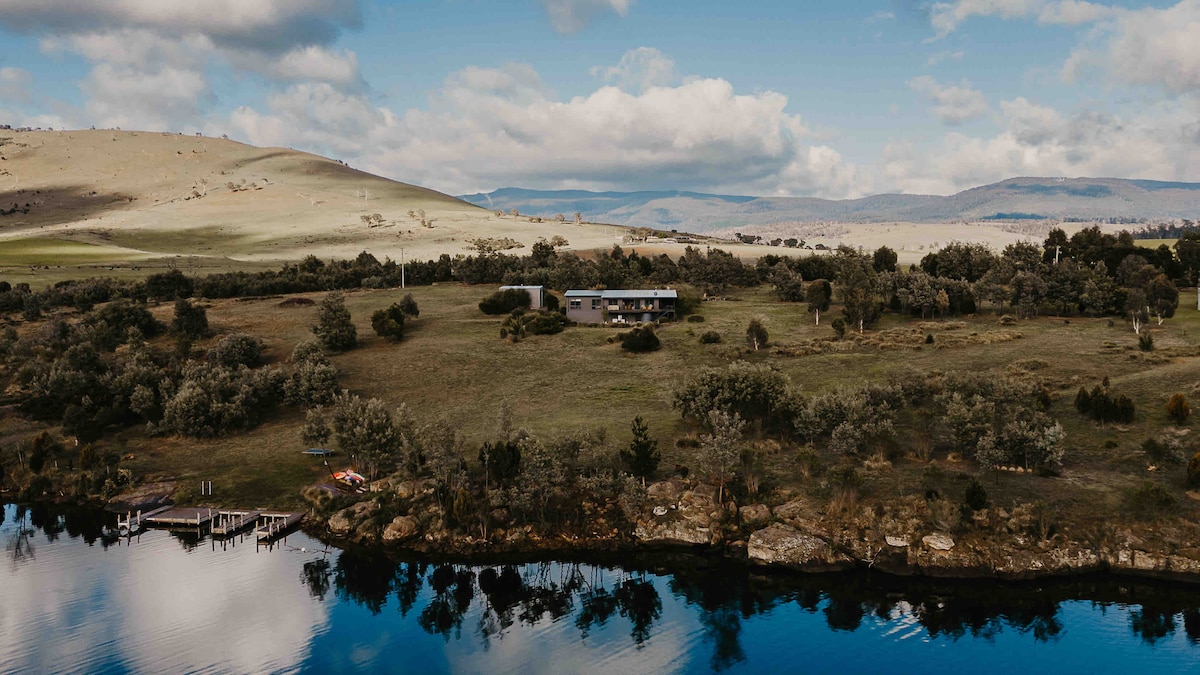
(1082,199)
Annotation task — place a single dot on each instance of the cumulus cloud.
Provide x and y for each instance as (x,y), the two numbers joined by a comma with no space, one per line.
(15,84)
(952,104)
(946,17)
(639,69)
(261,25)
(569,16)
(1155,46)
(489,128)
(1159,142)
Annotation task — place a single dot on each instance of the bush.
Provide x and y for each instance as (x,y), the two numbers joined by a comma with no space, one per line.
(389,323)
(1164,450)
(710,337)
(929,338)
(1103,406)
(1193,471)
(695,318)
(1146,342)
(408,305)
(1150,501)
(1178,409)
(754,392)
(976,497)
(640,339)
(237,349)
(756,334)
(503,302)
(191,321)
(839,327)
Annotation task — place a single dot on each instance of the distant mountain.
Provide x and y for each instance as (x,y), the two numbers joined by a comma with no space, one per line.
(1013,199)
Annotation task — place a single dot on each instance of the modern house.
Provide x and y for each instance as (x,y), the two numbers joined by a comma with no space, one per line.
(537,294)
(621,306)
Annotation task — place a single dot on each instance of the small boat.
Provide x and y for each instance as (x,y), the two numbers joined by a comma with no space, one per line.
(349,477)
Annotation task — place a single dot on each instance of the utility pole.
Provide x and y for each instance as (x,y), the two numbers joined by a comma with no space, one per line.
(1057,250)
(401,268)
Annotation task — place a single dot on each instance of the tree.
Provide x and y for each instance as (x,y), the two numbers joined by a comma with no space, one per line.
(756,334)
(334,328)
(641,457)
(640,339)
(884,260)
(1178,409)
(365,429)
(190,322)
(721,450)
(389,323)
(818,295)
(408,305)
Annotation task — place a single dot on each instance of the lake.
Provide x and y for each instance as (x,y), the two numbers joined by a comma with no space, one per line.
(79,598)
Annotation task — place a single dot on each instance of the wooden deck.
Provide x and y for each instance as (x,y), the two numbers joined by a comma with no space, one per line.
(227,522)
(274,524)
(180,516)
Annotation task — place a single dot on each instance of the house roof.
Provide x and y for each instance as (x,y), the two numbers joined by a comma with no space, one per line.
(624,295)
(521,288)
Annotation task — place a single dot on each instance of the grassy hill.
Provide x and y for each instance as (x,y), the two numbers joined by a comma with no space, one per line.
(104,198)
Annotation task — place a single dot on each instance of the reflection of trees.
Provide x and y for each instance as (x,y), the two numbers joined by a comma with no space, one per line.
(1152,622)
(364,578)
(638,601)
(453,591)
(19,543)
(315,575)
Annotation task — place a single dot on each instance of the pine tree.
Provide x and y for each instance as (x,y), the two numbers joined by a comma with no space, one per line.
(642,455)
(334,328)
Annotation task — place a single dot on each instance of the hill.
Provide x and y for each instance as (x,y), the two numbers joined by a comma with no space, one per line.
(1021,199)
(105,197)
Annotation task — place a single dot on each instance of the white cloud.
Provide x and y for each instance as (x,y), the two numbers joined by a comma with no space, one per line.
(313,62)
(1160,142)
(639,69)
(569,16)
(161,99)
(937,58)
(489,128)
(15,84)
(946,17)
(952,104)
(1157,46)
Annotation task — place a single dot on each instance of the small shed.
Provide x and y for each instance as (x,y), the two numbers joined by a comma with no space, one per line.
(537,294)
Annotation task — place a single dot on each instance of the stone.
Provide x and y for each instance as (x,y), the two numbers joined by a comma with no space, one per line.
(660,511)
(755,514)
(667,490)
(786,546)
(400,529)
(938,541)
(340,522)
(673,532)
(898,542)
(797,508)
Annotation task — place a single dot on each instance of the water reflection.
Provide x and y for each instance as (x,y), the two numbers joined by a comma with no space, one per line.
(308,607)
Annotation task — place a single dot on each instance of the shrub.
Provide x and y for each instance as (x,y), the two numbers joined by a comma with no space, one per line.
(710,337)
(640,339)
(503,302)
(976,496)
(1178,409)
(389,323)
(190,322)
(1193,471)
(753,392)
(929,338)
(839,327)
(544,323)
(408,305)
(1164,450)
(1146,342)
(1150,501)
(756,334)
(308,350)
(696,318)
(237,349)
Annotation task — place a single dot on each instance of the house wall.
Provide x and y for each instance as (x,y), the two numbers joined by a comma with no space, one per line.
(590,310)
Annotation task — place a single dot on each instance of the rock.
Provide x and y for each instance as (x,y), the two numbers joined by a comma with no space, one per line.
(674,532)
(660,511)
(400,529)
(755,514)
(797,508)
(938,541)
(340,522)
(898,542)
(667,490)
(705,491)
(786,546)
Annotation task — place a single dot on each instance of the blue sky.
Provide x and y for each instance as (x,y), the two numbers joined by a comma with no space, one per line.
(827,99)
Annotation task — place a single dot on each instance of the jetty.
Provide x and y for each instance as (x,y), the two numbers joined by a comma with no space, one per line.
(179,516)
(227,522)
(274,524)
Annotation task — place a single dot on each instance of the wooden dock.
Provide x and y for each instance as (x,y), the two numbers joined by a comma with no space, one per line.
(180,516)
(274,524)
(227,522)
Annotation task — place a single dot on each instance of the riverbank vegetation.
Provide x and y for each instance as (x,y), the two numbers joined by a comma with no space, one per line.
(1023,369)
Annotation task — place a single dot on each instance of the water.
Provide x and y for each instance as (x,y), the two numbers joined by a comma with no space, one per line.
(76,598)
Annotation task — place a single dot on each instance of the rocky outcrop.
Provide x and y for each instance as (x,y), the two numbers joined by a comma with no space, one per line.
(350,518)
(693,520)
(785,546)
(755,514)
(402,528)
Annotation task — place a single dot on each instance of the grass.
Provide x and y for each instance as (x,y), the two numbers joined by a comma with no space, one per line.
(58,252)
(453,365)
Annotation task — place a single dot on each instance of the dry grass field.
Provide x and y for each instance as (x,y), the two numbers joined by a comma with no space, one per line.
(453,365)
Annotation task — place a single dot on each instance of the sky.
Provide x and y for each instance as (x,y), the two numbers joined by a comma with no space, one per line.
(760,97)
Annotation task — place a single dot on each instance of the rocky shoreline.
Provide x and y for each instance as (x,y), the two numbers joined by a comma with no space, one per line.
(797,536)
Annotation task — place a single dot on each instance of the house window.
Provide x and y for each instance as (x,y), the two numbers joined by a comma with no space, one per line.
(576,304)
(596,303)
